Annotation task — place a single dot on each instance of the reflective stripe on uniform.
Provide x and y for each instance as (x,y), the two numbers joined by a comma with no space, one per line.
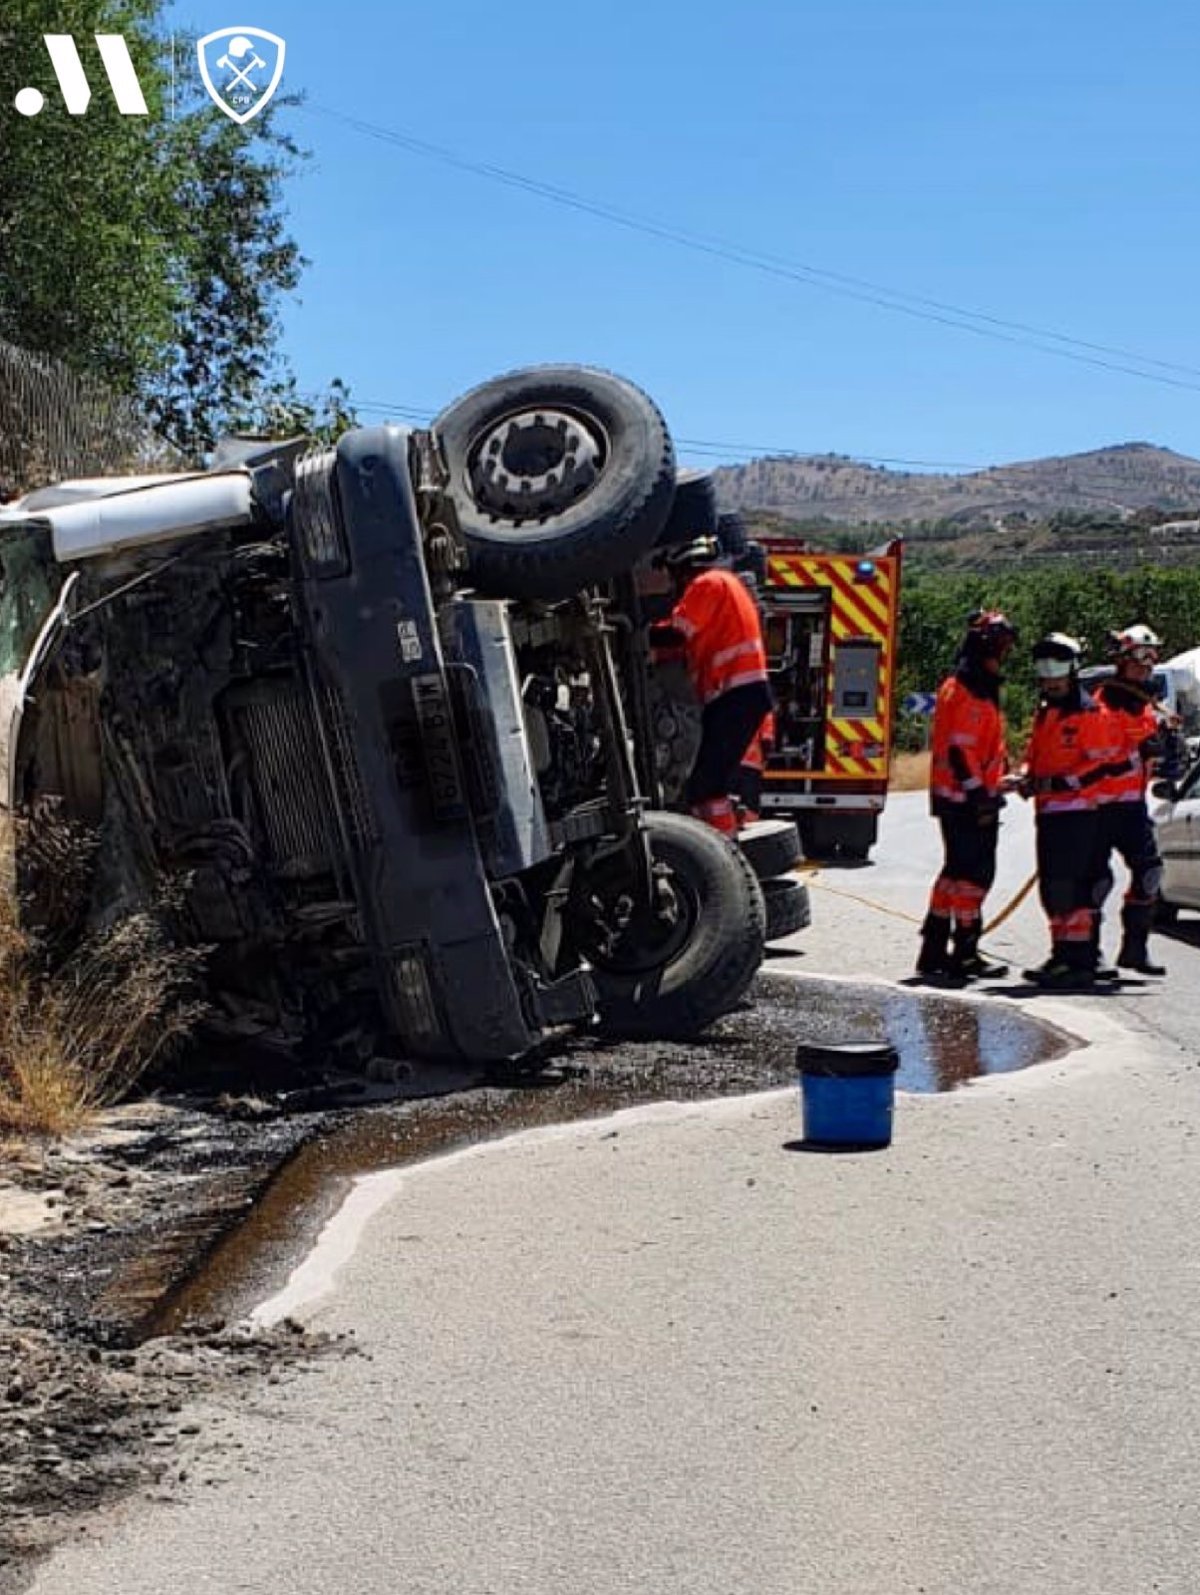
(1076,926)
(721,623)
(745,679)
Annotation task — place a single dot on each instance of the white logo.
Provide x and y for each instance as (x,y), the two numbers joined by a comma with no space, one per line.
(241,68)
(72,79)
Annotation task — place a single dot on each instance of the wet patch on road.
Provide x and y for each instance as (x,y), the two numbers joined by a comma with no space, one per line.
(943,1043)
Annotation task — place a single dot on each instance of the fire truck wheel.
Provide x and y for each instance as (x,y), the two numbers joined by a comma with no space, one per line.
(787,906)
(857,835)
(561,476)
(770,847)
(672,972)
(847,836)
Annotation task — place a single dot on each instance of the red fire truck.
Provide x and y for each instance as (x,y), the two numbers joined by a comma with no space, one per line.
(831,626)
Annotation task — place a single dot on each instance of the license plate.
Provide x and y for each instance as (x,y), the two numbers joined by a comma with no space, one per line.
(438,746)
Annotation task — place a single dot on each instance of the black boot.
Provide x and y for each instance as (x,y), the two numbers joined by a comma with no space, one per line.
(1068,968)
(968,961)
(934,957)
(1101,968)
(1134,952)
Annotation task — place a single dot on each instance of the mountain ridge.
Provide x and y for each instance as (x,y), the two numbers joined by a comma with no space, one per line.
(1118,479)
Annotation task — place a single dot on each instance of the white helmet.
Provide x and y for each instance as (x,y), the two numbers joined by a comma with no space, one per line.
(1056,655)
(1135,642)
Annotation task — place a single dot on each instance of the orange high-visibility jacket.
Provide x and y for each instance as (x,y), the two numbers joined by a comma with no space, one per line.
(1138,722)
(966,744)
(1072,750)
(723,641)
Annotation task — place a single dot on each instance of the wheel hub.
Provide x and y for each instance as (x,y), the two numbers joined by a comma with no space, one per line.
(631,937)
(535,464)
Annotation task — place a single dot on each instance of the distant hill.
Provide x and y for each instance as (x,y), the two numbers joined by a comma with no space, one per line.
(1112,482)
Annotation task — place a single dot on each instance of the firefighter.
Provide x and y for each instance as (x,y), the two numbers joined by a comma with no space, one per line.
(967,770)
(1125,822)
(1075,745)
(717,625)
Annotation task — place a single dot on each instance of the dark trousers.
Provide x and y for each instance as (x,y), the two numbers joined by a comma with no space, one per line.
(1070,868)
(748,786)
(968,866)
(1127,829)
(727,728)
(969,847)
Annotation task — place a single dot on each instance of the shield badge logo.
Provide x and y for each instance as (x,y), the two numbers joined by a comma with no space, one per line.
(241,68)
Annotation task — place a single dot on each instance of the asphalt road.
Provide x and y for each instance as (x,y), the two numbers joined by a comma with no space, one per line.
(666,1353)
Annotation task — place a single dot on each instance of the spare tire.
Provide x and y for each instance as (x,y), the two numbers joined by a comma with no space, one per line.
(562,476)
(660,978)
(771,847)
(787,906)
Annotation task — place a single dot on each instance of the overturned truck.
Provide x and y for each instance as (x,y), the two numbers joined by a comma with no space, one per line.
(375,723)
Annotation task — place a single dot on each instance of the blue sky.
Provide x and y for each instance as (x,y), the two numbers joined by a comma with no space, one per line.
(1033,161)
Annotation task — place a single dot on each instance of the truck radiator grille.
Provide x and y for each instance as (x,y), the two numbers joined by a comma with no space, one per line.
(346,773)
(274,725)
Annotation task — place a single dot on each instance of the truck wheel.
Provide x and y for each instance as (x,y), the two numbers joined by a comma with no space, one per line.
(694,510)
(770,847)
(856,835)
(561,476)
(672,973)
(787,906)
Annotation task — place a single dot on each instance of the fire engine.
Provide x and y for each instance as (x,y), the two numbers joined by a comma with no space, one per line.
(831,624)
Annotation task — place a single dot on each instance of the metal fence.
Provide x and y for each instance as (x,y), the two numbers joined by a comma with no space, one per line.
(57,423)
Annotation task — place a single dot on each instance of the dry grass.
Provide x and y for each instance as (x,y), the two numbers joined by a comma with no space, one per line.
(910,772)
(78,1031)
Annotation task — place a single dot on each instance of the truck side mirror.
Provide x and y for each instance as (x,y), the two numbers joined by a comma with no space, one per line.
(1164,789)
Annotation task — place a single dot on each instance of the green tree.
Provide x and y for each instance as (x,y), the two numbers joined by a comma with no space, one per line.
(1085,603)
(150,251)
(280,410)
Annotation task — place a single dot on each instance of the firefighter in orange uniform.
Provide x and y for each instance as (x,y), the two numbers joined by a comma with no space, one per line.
(967,769)
(717,625)
(1125,820)
(1076,745)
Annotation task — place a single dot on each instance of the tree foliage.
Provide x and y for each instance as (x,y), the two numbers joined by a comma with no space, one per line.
(1084,603)
(153,251)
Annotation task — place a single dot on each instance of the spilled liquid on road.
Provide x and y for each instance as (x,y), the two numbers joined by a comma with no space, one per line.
(942,1044)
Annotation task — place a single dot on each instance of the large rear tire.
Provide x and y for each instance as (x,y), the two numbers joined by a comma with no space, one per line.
(561,476)
(671,979)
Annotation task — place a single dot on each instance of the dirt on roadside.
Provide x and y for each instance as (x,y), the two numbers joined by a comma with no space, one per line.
(95,1233)
(910,772)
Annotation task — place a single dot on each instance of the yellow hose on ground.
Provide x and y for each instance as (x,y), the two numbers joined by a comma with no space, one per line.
(914,919)
(1012,906)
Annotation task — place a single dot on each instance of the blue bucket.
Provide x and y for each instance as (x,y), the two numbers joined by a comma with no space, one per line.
(848,1094)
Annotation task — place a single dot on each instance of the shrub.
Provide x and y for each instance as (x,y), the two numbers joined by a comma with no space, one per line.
(79,1029)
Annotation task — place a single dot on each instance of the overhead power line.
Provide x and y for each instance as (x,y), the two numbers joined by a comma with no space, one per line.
(421,416)
(982,324)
